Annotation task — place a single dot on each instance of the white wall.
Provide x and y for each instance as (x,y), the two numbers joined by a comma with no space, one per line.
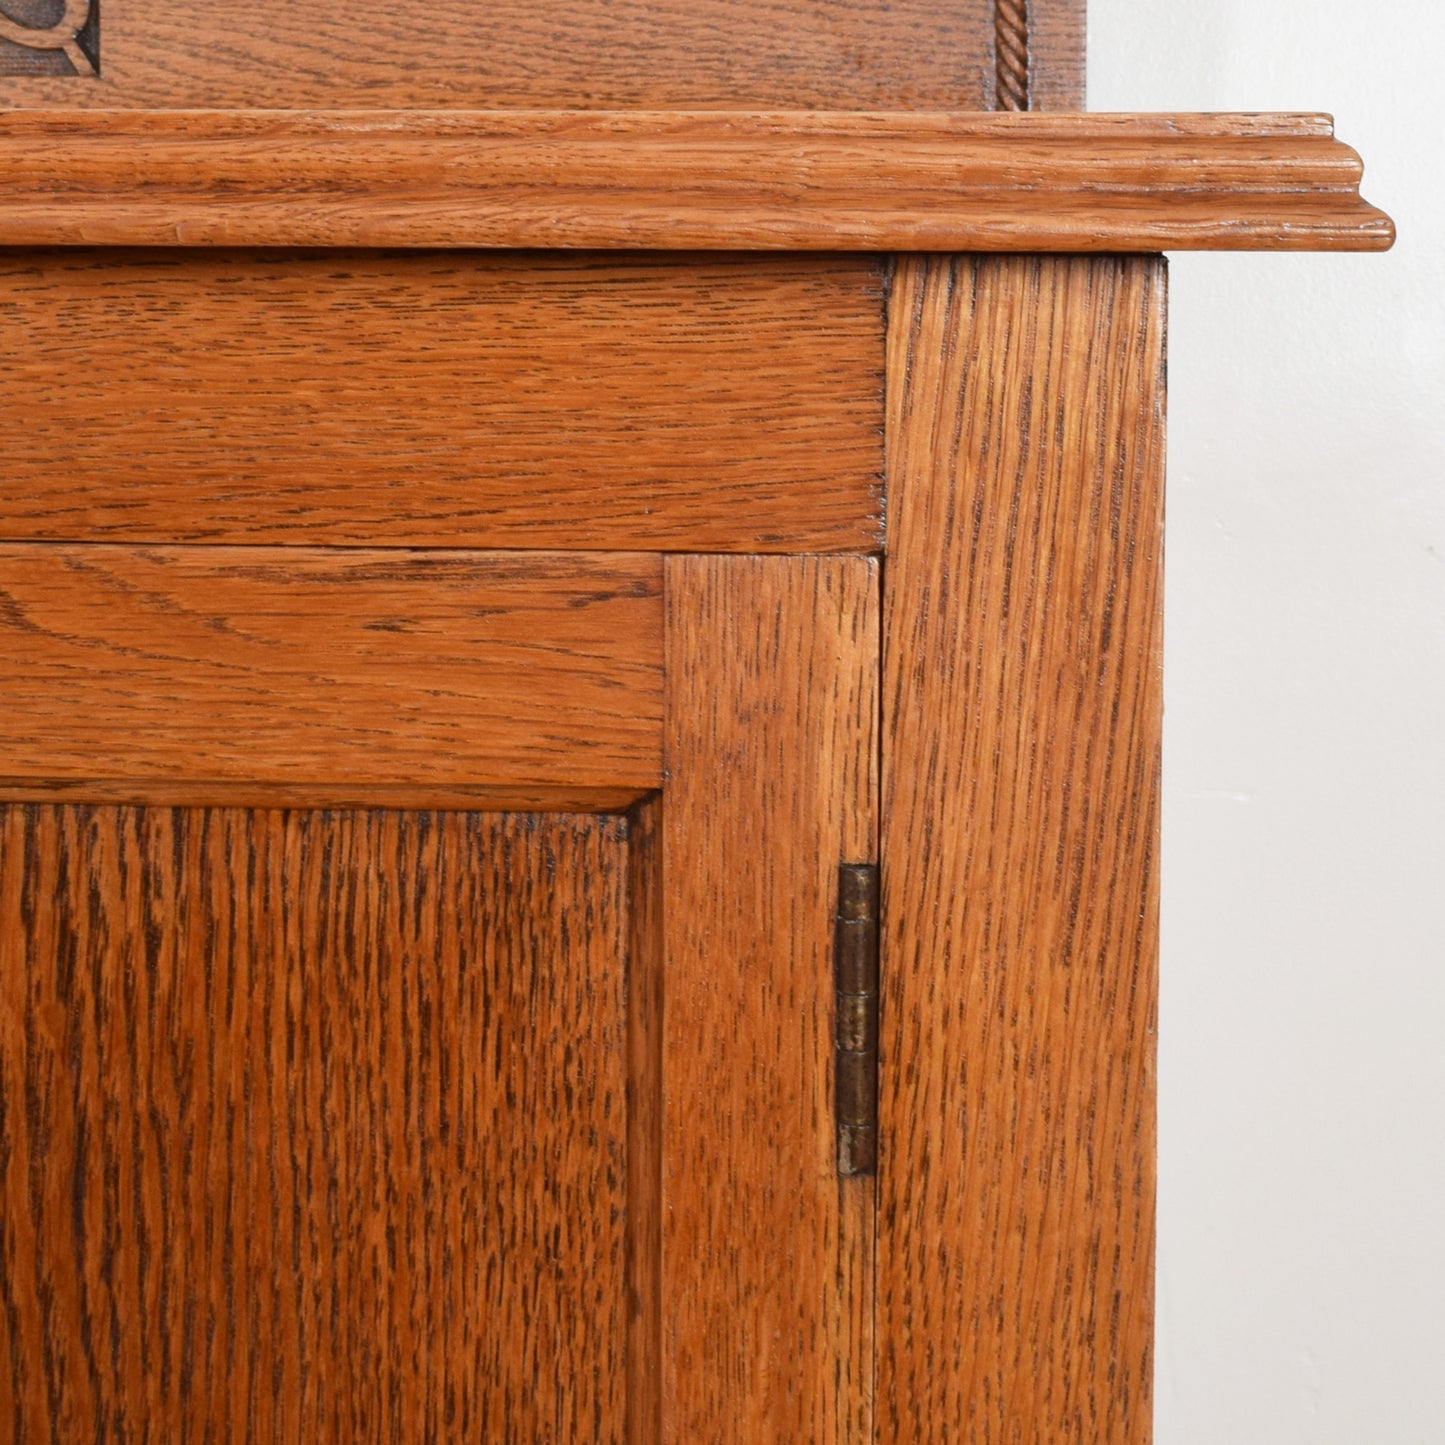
(1302,1072)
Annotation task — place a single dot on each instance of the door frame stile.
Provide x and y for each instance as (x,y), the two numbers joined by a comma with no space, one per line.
(770,781)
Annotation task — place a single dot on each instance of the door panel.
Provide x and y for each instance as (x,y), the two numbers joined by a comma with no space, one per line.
(410,1123)
(313,1125)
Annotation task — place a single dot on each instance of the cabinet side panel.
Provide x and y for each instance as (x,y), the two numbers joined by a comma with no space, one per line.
(1021,784)
(772,677)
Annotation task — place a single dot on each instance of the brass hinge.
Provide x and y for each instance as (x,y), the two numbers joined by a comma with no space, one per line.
(855,1018)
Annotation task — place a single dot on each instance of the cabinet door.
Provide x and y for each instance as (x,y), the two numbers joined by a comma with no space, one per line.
(415,994)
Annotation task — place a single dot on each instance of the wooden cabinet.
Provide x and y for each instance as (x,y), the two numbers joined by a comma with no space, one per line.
(579,753)
(419,930)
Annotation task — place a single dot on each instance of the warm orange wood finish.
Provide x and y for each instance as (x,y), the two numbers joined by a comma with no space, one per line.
(345,668)
(376,463)
(646,980)
(184,792)
(314,1126)
(677,180)
(908,55)
(1054,33)
(1021,785)
(456,400)
(772,674)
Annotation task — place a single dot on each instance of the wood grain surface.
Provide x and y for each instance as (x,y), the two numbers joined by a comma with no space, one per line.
(646,981)
(906,55)
(683,181)
(457,400)
(312,1126)
(318,668)
(767,1301)
(1020,866)
(1057,46)
(191,792)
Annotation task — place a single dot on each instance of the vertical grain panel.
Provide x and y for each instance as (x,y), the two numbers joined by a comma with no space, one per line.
(771,698)
(311,1125)
(1021,786)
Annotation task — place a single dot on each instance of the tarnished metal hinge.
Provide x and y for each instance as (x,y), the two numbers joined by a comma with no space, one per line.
(855,1018)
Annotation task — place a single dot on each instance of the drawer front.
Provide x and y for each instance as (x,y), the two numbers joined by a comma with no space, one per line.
(456,399)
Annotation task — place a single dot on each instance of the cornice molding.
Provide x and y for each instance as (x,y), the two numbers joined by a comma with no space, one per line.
(683,181)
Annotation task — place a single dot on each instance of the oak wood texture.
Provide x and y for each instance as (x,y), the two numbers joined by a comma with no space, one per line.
(646,977)
(906,55)
(443,400)
(1057,35)
(772,675)
(189,792)
(341,668)
(683,180)
(313,1125)
(1021,730)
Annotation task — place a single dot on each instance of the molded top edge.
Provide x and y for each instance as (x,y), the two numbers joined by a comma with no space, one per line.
(693,180)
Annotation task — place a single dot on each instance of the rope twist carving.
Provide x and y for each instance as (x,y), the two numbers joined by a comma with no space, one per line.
(1011,53)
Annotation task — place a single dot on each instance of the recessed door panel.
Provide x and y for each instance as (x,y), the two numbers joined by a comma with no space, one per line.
(313,1124)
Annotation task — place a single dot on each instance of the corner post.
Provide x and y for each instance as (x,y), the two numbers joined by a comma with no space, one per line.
(1021,744)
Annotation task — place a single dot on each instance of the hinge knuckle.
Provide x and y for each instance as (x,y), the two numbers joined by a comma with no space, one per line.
(858,891)
(855,1015)
(855,955)
(857,1150)
(857,1024)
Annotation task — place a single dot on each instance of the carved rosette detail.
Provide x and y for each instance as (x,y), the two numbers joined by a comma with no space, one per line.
(71,33)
